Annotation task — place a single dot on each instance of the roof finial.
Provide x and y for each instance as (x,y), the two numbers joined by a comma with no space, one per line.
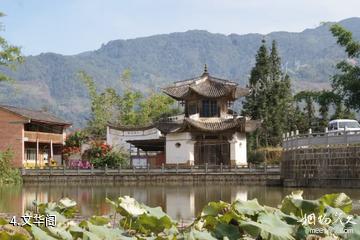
(205,69)
(263,41)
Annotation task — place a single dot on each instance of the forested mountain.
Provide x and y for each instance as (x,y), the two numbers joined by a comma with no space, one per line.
(50,81)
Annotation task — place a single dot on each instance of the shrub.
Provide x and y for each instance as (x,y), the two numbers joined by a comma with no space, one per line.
(68,151)
(101,154)
(256,157)
(73,144)
(75,139)
(271,155)
(8,174)
(115,158)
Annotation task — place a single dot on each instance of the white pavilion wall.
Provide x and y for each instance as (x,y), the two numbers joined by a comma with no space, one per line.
(238,151)
(179,148)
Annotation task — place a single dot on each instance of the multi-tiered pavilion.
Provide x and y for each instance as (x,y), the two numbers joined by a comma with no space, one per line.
(209,131)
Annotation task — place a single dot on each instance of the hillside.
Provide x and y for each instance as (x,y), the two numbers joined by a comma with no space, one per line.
(49,80)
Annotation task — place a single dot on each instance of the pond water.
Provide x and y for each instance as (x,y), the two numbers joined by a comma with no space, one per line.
(180,201)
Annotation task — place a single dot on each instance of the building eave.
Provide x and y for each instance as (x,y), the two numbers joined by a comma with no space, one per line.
(28,119)
(130,128)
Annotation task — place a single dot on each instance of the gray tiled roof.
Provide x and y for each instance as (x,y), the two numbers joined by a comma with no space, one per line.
(240,124)
(169,126)
(130,128)
(206,86)
(35,115)
(217,124)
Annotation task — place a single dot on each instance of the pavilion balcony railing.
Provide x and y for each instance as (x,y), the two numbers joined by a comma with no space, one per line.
(164,169)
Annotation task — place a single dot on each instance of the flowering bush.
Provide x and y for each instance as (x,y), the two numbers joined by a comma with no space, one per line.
(68,151)
(101,154)
(97,151)
(73,144)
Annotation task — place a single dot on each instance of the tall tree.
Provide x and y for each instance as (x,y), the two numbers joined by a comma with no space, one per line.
(308,97)
(298,120)
(10,55)
(347,81)
(325,99)
(104,106)
(270,99)
(254,105)
(307,117)
(156,106)
(342,111)
(280,105)
(131,108)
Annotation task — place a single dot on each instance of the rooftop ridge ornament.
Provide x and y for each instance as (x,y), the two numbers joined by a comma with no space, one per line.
(205,70)
(263,41)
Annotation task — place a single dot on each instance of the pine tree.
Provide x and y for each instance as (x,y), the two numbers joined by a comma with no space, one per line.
(270,99)
(255,103)
(275,63)
(280,99)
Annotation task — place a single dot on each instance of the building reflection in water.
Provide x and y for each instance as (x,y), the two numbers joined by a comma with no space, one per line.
(183,201)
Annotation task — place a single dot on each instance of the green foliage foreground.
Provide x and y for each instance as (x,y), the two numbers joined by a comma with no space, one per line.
(294,219)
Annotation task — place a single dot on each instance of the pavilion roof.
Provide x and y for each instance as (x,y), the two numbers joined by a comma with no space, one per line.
(206,86)
(216,124)
(240,124)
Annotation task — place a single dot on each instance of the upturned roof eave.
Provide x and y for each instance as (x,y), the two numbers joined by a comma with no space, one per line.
(187,124)
(130,128)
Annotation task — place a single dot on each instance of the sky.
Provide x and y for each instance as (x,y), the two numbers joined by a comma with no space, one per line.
(74,26)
